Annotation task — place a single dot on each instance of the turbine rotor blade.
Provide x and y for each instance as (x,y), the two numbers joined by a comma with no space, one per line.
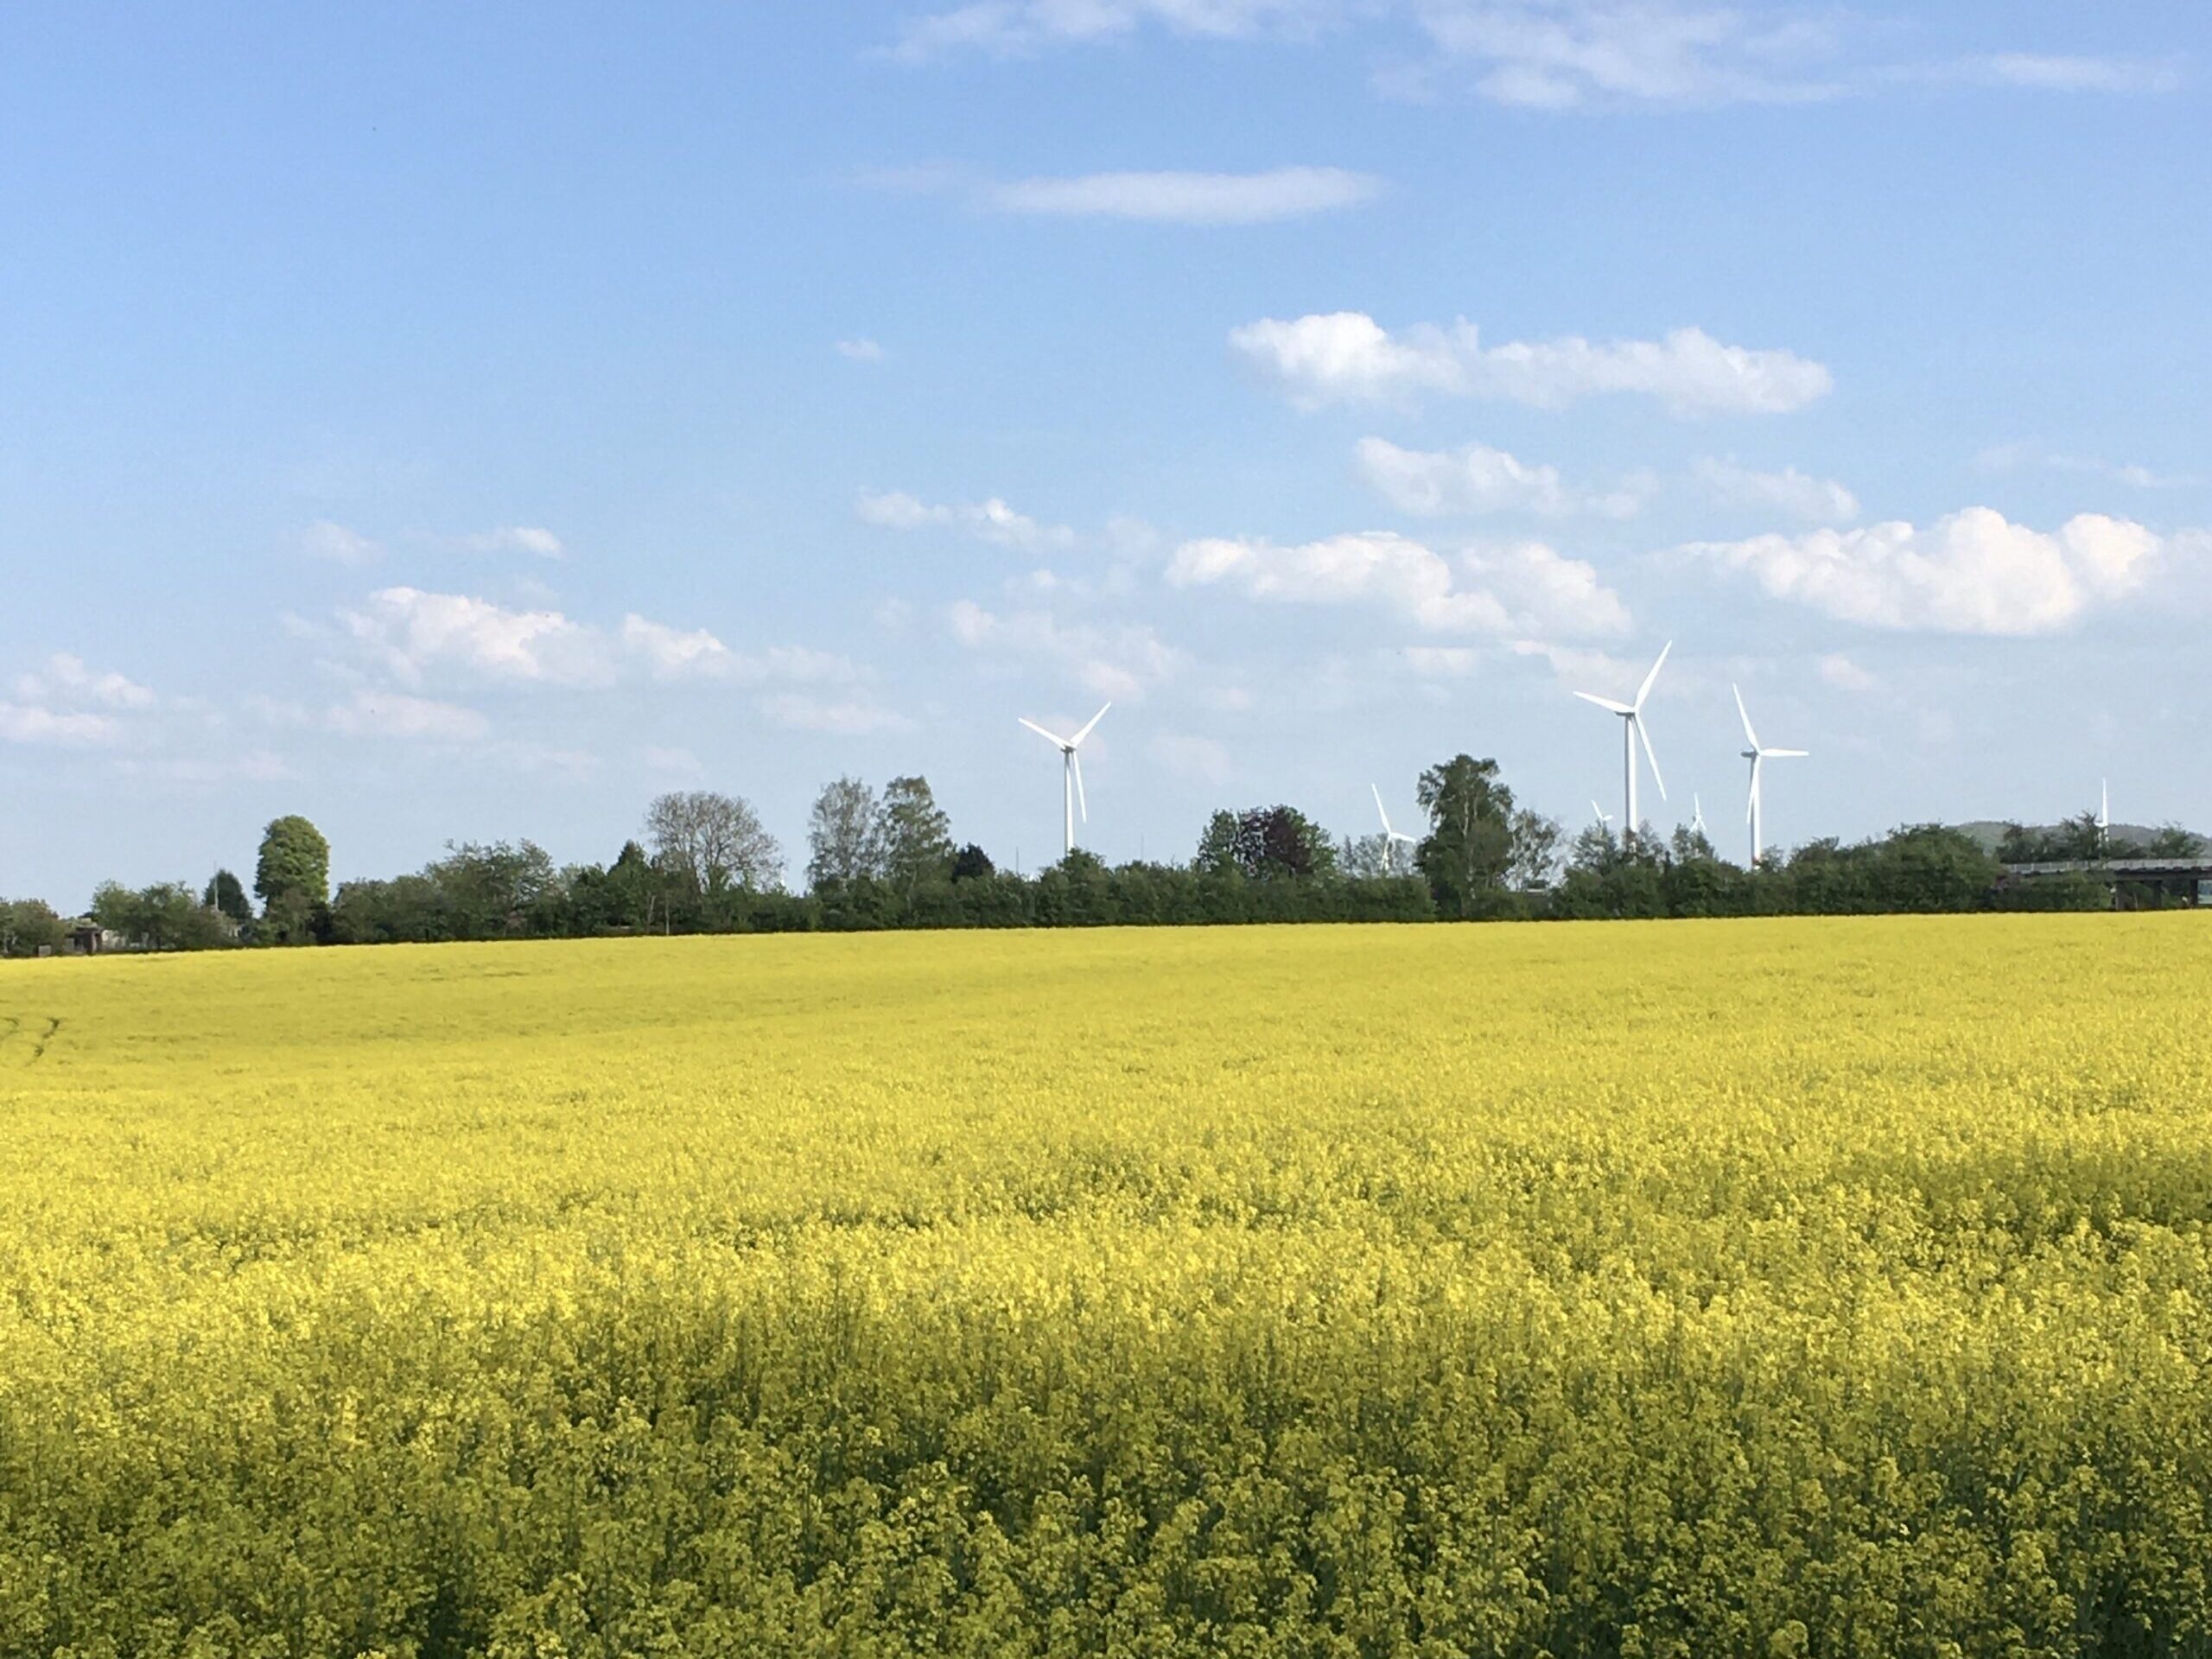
(1785,754)
(1086,732)
(1606,703)
(1752,804)
(1378,808)
(1645,690)
(1650,755)
(1056,741)
(1076,761)
(1751,736)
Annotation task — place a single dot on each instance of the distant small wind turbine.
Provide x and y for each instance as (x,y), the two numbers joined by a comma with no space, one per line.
(2104,818)
(1390,837)
(1071,768)
(1697,816)
(1632,730)
(1758,757)
(1604,818)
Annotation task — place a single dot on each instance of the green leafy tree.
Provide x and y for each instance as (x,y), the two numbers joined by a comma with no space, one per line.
(1267,843)
(843,835)
(27,925)
(1469,847)
(708,842)
(972,863)
(225,893)
(913,834)
(2171,840)
(292,874)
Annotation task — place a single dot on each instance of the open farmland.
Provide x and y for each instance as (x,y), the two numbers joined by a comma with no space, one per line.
(1832,1288)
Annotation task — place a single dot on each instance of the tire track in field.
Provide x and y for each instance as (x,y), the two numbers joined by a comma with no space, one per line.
(38,1049)
(13,1029)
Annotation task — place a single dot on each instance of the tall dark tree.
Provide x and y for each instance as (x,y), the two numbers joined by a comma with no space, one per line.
(1469,847)
(291,877)
(914,836)
(843,834)
(226,894)
(1267,843)
(972,863)
(293,864)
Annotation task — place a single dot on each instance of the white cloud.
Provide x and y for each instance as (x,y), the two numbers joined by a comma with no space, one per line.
(66,680)
(1014,28)
(2081,75)
(1819,500)
(67,728)
(675,763)
(859,350)
(1111,661)
(326,540)
(1972,572)
(516,538)
(1558,55)
(852,715)
(395,714)
(1347,357)
(992,521)
(1478,479)
(1839,671)
(1517,588)
(2010,457)
(412,632)
(1190,198)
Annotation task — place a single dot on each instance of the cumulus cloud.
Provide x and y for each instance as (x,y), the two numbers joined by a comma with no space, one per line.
(1347,357)
(412,632)
(1972,572)
(1819,500)
(992,521)
(1522,587)
(66,680)
(1110,660)
(1477,479)
(1189,198)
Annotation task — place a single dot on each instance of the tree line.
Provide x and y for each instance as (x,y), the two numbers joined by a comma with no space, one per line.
(705,863)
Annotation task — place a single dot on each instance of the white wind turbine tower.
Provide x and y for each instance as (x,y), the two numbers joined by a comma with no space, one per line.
(1632,730)
(1071,768)
(1390,837)
(2104,818)
(1758,757)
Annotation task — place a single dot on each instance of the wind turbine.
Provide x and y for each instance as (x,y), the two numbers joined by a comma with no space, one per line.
(1758,757)
(1071,768)
(1697,816)
(1390,837)
(1631,716)
(2104,818)
(1604,818)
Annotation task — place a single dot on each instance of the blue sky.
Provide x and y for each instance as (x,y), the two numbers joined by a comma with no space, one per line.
(465,422)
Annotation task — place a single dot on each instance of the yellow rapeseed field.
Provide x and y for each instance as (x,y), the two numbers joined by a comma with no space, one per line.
(1746,1288)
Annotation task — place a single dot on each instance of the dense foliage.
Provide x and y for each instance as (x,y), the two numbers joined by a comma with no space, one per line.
(1767,1289)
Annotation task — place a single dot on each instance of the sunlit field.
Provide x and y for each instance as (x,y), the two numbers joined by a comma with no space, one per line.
(1752,1287)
